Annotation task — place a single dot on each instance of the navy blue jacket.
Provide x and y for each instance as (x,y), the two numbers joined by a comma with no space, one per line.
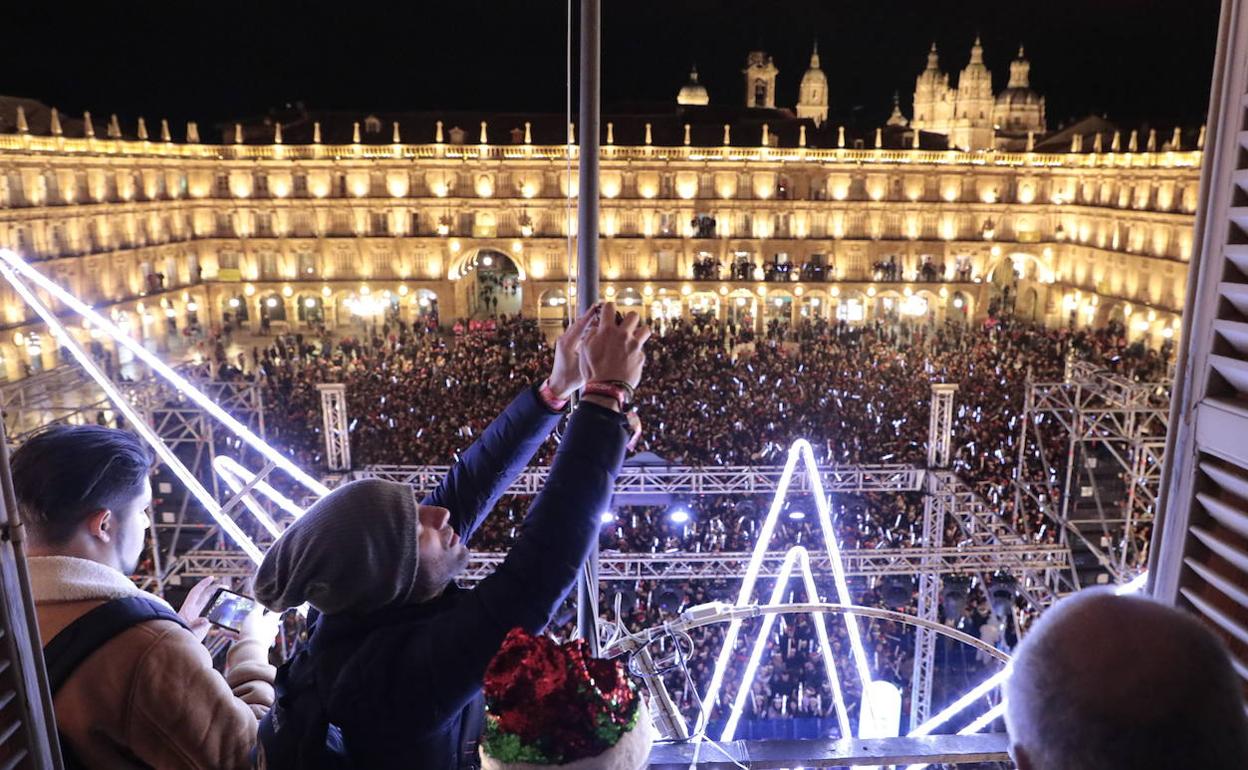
(406,682)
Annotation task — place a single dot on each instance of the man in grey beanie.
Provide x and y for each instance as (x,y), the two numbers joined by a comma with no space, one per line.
(395,663)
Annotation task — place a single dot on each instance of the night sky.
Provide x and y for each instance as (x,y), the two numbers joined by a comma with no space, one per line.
(1134,60)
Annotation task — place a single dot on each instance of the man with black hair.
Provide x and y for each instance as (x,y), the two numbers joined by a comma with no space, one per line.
(147,696)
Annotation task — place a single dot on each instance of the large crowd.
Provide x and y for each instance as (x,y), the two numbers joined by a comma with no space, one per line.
(712,396)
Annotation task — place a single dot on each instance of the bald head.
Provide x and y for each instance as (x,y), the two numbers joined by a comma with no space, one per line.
(1106,682)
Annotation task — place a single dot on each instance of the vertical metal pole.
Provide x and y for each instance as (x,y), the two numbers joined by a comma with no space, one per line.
(587,261)
(23,645)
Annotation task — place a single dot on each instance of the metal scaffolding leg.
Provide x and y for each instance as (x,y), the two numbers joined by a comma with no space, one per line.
(939,454)
(940,426)
(929,603)
(337,435)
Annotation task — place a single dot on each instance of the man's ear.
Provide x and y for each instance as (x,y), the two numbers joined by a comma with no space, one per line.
(100,525)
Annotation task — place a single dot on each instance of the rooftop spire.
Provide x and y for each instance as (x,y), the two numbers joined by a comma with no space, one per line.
(395,138)
(114,127)
(165,136)
(22,126)
(277,133)
(933,58)
(814,56)
(897,118)
(142,129)
(88,130)
(192,132)
(1020,71)
(56,123)
(977,52)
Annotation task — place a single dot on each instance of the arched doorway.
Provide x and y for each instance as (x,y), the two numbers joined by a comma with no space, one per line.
(234,312)
(778,313)
(494,286)
(852,309)
(814,307)
(311,310)
(425,304)
(740,312)
(1028,308)
(959,309)
(628,297)
(272,310)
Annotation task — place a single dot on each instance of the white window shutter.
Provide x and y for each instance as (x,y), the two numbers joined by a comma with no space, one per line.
(1200,546)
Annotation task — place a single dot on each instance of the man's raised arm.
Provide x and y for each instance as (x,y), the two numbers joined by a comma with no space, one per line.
(484,472)
(438,670)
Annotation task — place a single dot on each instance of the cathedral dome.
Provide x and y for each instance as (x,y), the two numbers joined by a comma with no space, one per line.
(814,81)
(1018,97)
(693,93)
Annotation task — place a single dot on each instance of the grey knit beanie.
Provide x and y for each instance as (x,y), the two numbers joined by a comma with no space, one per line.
(355,550)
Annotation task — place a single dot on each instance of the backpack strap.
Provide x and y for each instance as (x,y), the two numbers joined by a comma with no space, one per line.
(75,643)
(88,633)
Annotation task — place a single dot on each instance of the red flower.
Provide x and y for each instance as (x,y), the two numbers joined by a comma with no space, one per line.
(556,697)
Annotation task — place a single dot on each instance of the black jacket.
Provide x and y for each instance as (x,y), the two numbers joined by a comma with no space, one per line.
(406,682)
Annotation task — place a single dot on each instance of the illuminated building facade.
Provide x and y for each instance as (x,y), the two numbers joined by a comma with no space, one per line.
(755,216)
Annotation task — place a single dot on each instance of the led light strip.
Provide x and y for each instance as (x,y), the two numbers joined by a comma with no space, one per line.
(236,485)
(838,570)
(226,464)
(66,340)
(798,556)
(800,450)
(12,260)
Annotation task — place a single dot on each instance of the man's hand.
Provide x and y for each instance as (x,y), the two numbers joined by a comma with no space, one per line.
(261,625)
(566,376)
(613,348)
(193,606)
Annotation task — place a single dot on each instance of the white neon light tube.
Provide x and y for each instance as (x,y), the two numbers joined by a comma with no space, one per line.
(65,339)
(799,450)
(838,568)
(747,588)
(236,485)
(799,557)
(213,408)
(230,465)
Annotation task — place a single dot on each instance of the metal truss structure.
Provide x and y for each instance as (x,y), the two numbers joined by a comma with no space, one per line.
(1090,458)
(615,567)
(687,480)
(940,426)
(939,451)
(335,426)
(62,395)
(180,532)
(179,529)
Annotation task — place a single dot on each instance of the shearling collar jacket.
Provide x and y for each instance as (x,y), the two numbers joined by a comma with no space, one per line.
(150,697)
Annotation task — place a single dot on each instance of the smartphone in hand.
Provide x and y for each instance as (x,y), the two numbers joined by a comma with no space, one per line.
(228,609)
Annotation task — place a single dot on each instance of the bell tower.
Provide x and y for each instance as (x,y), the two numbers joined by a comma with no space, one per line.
(760,81)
